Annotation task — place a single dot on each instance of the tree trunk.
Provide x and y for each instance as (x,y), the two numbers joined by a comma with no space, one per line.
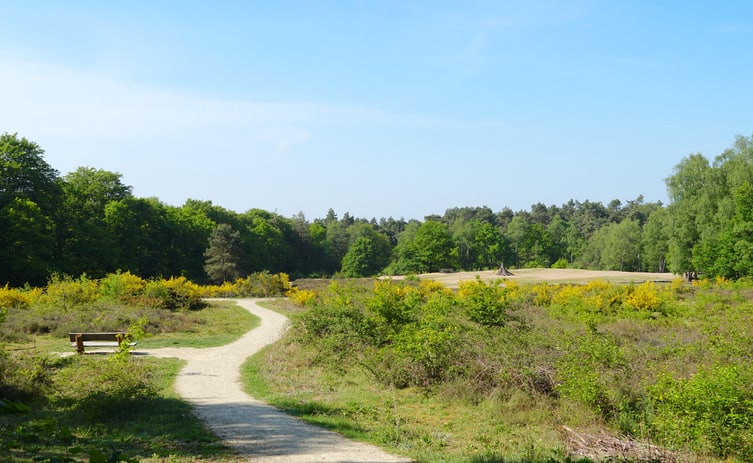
(503,271)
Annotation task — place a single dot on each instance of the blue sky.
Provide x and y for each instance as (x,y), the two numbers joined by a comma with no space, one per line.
(378,108)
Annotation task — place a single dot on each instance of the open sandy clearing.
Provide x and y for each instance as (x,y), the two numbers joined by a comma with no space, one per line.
(552,275)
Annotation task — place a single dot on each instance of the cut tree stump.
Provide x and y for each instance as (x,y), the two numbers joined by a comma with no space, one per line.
(503,271)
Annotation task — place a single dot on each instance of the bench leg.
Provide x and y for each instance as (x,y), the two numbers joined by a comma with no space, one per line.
(80,344)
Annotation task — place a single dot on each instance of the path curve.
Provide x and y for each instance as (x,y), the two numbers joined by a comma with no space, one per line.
(210,381)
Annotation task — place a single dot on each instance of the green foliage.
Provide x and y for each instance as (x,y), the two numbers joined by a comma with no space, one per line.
(23,377)
(426,248)
(480,244)
(561,263)
(394,305)
(336,324)
(427,352)
(368,253)
(123,286)
(30,198)
(86,242)
(106,391)
(66,292)
(711,411)
(223,254)
(652,363)
(107,409)
(530,243)
(484,302)
(264,284)
(594,371)
(617,246)
(174,294)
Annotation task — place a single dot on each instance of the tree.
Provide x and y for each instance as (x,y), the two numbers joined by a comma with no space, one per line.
(619,245)
(426,247)
(480,245)
(223,255)
(24,174)
(692,211)
(264,244)
(531,243)
(191,230)
(654,242)
(368,253)
(335,244)
(28,243)
(143,231)
(30,199)
(86,243)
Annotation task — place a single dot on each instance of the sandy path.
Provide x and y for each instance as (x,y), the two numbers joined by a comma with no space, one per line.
(210,381)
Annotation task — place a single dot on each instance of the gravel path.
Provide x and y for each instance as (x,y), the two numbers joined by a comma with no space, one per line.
(210,381)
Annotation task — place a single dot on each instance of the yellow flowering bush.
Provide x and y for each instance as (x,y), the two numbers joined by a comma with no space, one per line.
(66,292)
(174,294)
(264,284)
(14,298)
(678,286)
(226,289)
(567,294)
(427,287)
(644,297)
(542,294)
(122,285)
(513,290)
(302,297)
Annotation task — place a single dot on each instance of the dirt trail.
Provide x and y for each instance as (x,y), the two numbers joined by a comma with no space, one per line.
(210,381)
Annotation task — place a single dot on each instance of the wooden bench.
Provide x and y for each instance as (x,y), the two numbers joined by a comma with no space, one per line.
(82,340)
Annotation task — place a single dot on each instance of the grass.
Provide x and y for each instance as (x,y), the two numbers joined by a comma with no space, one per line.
(499,414)
(99,408)
(219,323)
(74,423)
(576,369)
(222,323)
(428,427)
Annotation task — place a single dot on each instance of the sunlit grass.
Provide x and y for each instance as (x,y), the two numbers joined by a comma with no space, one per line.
(597,358)
(73,423)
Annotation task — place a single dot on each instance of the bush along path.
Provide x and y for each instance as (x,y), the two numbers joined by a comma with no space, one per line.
(210,381)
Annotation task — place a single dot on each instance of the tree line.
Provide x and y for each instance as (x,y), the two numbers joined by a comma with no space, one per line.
(89,222)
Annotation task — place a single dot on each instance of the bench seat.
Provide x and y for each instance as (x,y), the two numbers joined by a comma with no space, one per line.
(104,339)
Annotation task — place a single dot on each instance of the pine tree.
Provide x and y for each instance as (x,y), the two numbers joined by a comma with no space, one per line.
(224,254)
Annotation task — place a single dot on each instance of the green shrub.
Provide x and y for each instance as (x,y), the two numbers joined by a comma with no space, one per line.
(394,304)
(561,263)
(64,292)
(336,324)
(107,390)
(122,286)
(592,371)
(174,294)
(484,302)
(23,376)
(264,284)
(428,351)
(712,411)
